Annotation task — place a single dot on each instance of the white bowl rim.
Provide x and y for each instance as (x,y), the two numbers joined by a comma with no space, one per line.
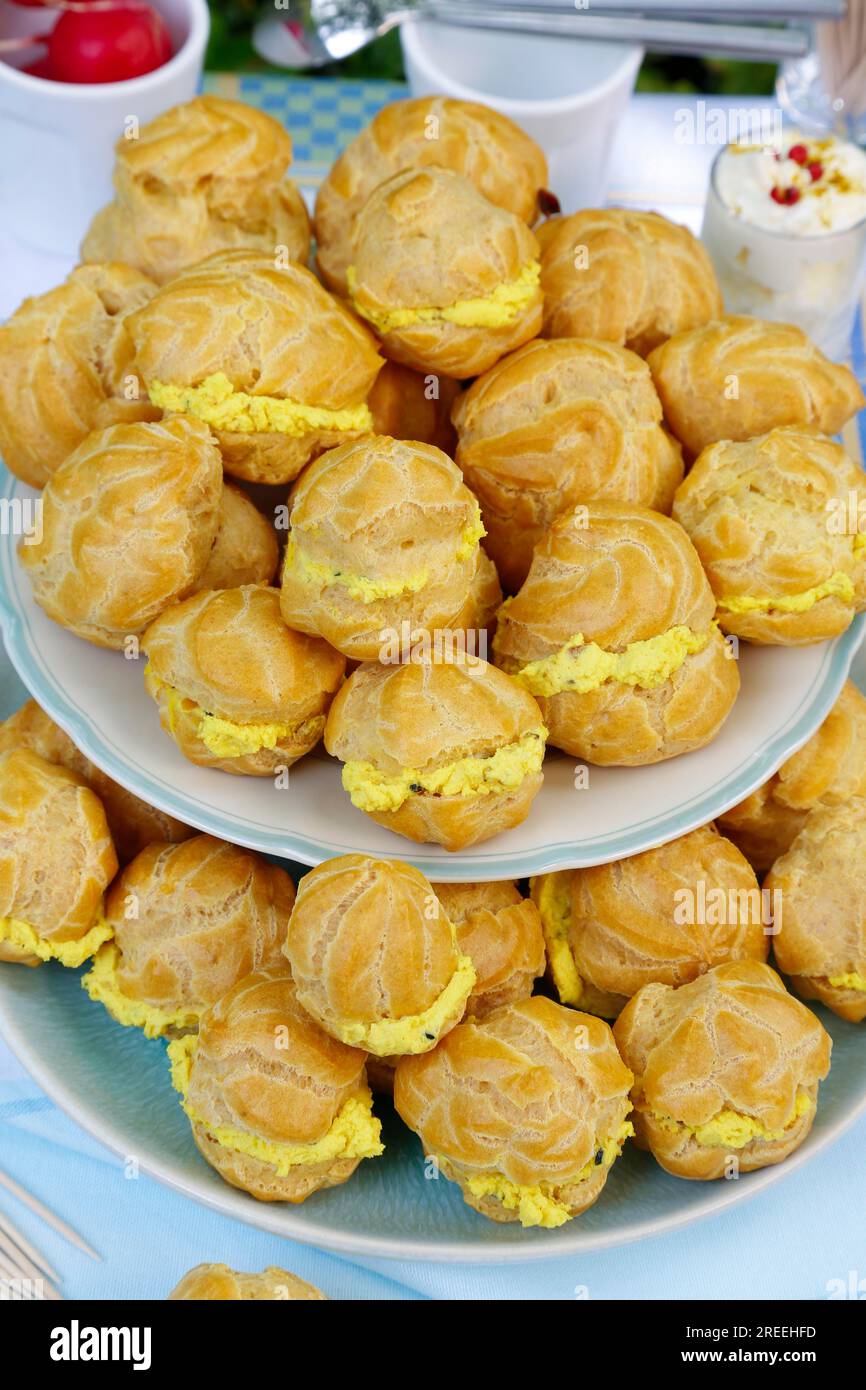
(411,33)
(199,29)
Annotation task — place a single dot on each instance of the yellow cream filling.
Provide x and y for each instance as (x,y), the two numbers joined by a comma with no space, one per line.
(493,310)
(101,984)
(552,895)
(69,953)
(535,1203)
(839,585)
(374,790)
(224,737)
(217,403)
(732,1130)
(849,980)
(583,666)
(392,1037)
(367,590)
(355,1132)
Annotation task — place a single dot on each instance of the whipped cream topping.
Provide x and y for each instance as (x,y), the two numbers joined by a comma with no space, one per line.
(800,184)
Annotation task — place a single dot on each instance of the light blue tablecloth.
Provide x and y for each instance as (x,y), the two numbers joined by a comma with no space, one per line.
(792,1241)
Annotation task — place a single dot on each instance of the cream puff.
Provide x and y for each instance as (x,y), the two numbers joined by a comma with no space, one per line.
(821,943)
(66,368)
(613,634)
(219,1283)
(624,276)
(554,424)
(443,752)
(828,770)
(775,521)
(477,617)
(188,922)
(526,1110)
(383,543)
(500,931)
(277,1107)
(448,281)
(414,405)
(128,524)
(665,916)
(261,353)
(726,1070)
(56,860)
(236,689)
(245,550)
(202,177)
(374,957)
(132,822)
(499,159)
(738,377)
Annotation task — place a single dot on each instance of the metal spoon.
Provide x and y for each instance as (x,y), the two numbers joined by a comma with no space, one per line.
(313,32)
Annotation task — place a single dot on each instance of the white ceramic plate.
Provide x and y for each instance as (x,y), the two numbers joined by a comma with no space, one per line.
(99,698)
(116,1084)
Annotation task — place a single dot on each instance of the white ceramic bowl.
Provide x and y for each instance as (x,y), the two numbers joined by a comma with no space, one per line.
(586,86)
(58,138)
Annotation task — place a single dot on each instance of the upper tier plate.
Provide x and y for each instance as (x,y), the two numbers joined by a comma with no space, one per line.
(99,699)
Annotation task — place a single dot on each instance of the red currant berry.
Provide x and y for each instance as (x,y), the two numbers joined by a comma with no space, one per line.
(799,154)
(110,45)
(816,169)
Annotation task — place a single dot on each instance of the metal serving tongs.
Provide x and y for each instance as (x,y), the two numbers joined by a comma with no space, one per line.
(309,33)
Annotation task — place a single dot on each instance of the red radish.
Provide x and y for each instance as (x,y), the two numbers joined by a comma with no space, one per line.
(108,45)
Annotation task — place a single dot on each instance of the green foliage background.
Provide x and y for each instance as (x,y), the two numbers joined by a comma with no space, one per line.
(230,50)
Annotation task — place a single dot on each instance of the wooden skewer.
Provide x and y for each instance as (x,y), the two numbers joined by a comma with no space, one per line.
(24,1244)
(14,1252)
(11,1268)
(47,1215)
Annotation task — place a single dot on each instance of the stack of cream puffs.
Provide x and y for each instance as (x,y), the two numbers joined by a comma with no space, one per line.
(302,497)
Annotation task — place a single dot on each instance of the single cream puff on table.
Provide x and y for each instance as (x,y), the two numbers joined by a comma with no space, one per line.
(132,822)
(277,1107)
(613,634)
(414,405)
(738,377)
(66,368)
(128,524)
(526,1110)
(236,689)
(245,550)
(829,769)
(448,281)
(203,177)
(56,861)
(661,917)
(443,752)
(775,522)
(219,1283)
(498,158)
(627,277)
(263,354)
(383,543)
(375,959)
(821,944)
(726,1070)
(554,424)
(188,922)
